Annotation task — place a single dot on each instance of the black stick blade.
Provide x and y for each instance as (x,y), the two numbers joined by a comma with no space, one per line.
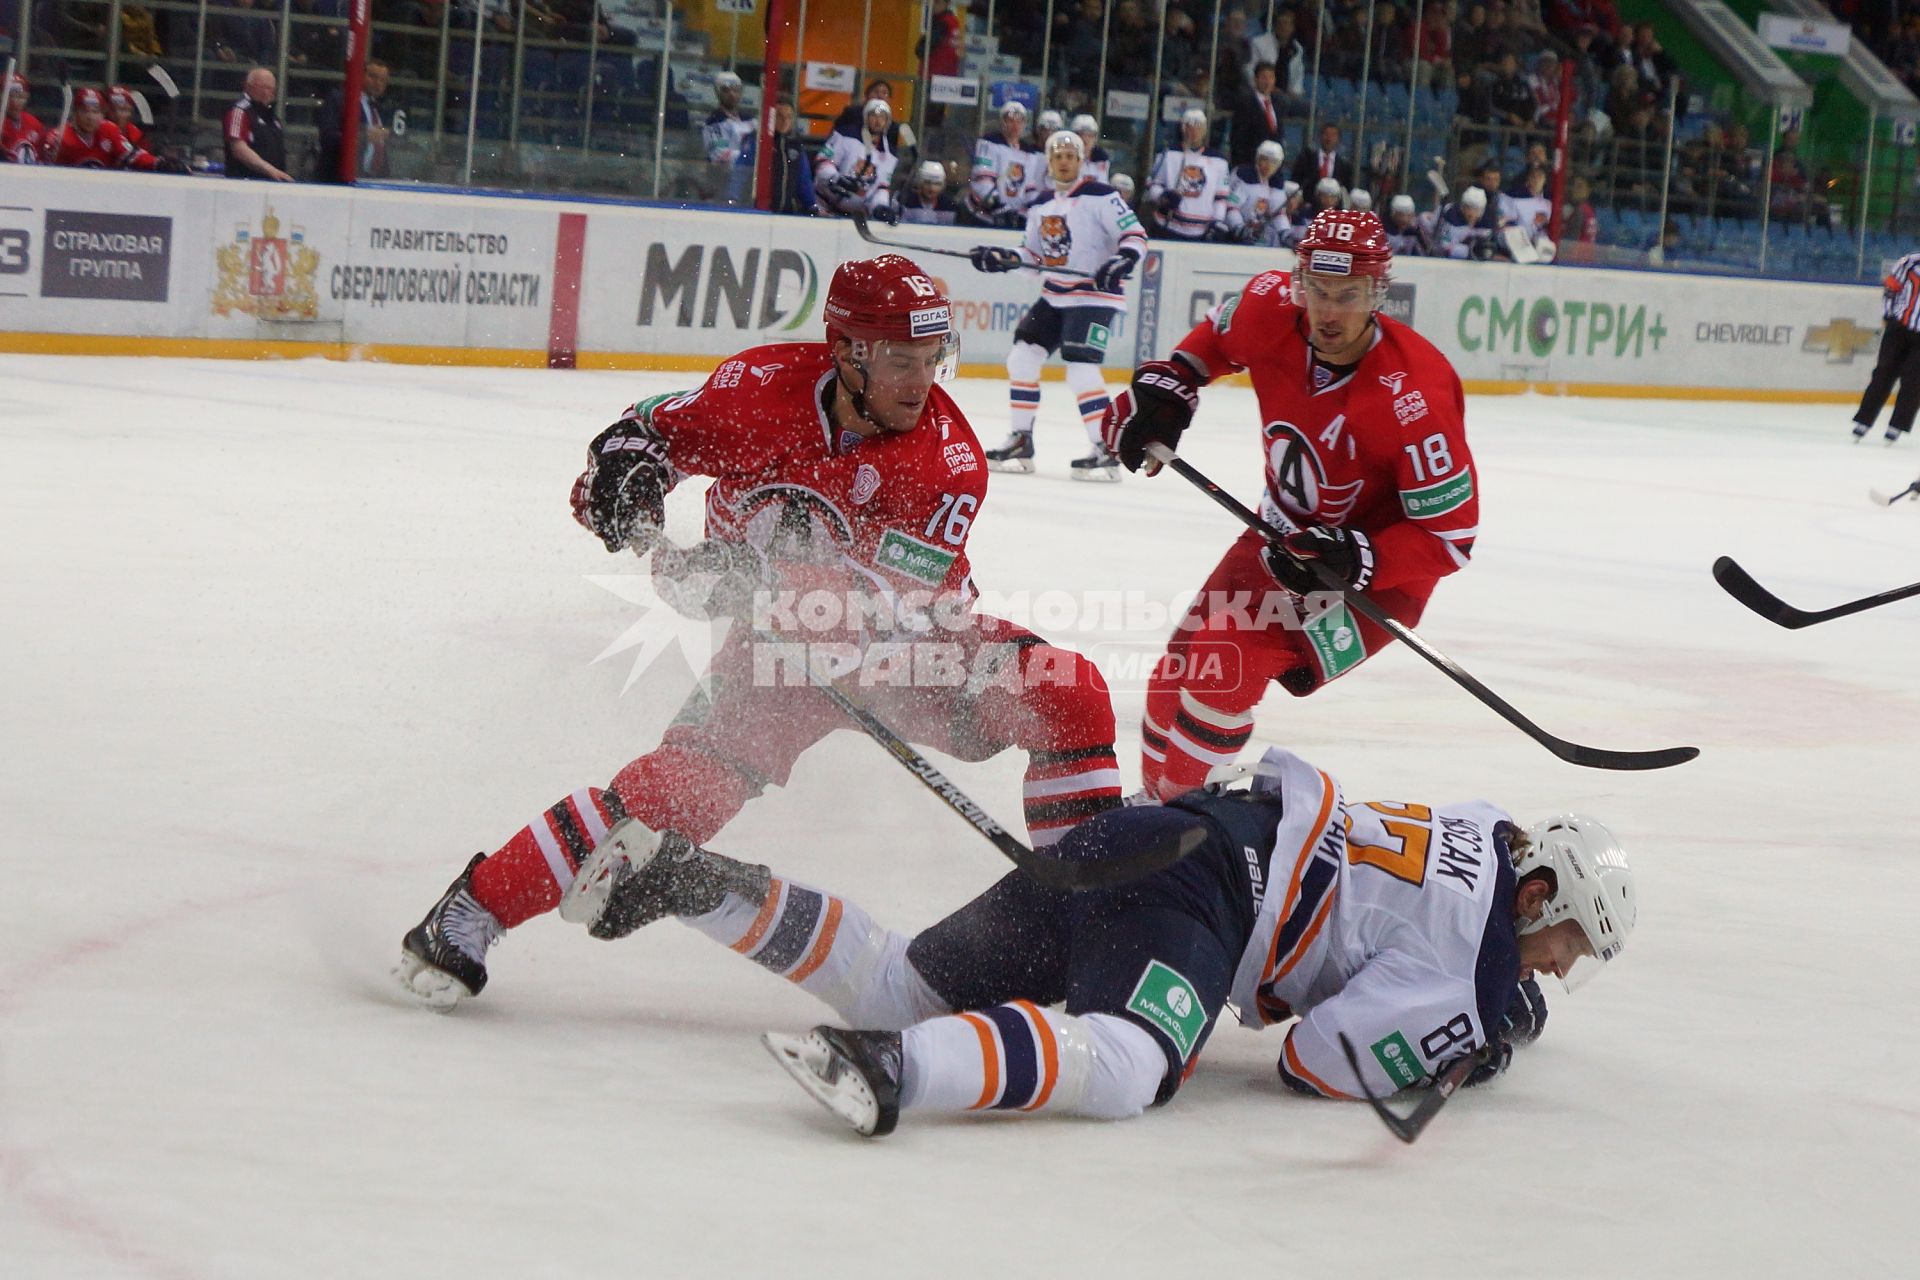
(1409,1127)
(1739,584)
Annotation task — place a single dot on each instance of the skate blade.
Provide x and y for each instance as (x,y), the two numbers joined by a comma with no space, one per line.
(435,988)
(1013,466)
(628,844)
(1098,475)
(1888,499)
(809,1061)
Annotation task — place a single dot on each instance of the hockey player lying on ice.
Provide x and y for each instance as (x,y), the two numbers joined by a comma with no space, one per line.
(839,466)
(1413,930)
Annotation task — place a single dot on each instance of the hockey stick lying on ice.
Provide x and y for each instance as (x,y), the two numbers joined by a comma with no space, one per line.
(1887,500)
(866,233)
(1571,752)
(1408,1127)
(1054,873)
(1740,585)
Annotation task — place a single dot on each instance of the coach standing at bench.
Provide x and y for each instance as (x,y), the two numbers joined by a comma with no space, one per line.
(255,145)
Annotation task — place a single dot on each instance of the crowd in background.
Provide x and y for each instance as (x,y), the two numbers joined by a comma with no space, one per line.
(1496,70)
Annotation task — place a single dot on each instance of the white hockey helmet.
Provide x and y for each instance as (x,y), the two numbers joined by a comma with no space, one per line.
(1013,107)
(1473,198)
(1592,884)
(877,104)
(1086,126)
(1361,199)
(1270,150)
(1400,204)
(726,80)
(1327,187)
(1066,140)
(1193,115)
(930,171)
(1123,183)
(1050,122)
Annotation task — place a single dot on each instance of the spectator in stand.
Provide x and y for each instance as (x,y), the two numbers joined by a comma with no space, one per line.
(928,200)
(1435,65)
(1325,161)
(1667,247)
(1470,54)
(1233,65)
(1076,42)
(1793,198)
(1130,44)
(1580,230)
(1537,157)
(1545,83)
(1589,85)
(1392,45)
(245,36)
(22,136)
(1257,117)
(1500,210)
(941,51)
(1180,51)
(1658,73)
(1623,94)
(1283,49)
(791,179)
(251,134)
(1510,99)
(372,144)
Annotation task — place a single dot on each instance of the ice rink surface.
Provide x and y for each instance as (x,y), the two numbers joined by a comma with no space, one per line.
(286,643)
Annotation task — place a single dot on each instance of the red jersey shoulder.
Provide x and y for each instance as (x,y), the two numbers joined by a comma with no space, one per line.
(1418,381)
(961,461)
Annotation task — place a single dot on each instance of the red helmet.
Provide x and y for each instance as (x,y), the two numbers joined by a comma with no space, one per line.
(886,297)
(18,82)
(121,95)
(1345,242)
(88,97)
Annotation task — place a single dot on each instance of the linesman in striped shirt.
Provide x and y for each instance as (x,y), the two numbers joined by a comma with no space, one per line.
(1899,354)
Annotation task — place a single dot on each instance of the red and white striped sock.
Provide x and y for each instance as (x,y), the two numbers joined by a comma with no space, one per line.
(529,872)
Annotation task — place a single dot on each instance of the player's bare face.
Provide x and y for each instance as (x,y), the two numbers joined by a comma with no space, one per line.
(1339,315)
(87,119)
(899,377)
(1554,949)
(1063,166)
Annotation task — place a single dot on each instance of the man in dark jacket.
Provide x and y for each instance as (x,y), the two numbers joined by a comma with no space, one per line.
(372,160)
(1256,116)
(792,175)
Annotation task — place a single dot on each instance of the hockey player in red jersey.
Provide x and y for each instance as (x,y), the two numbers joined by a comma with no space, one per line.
(840,465)
(1367,472)
(91,141)
(122,111)
(21,133)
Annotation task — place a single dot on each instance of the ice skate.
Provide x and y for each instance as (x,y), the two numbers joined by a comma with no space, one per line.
(1893,434)
(1860,430)
(636,876)
(443,959)
(1015,455)
(1098,465)
(854,1074)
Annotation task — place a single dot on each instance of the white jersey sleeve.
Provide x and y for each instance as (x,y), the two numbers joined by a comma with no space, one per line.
(1404,1018)
(1078,231)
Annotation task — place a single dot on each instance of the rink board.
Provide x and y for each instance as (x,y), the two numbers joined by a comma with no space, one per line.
(106,264)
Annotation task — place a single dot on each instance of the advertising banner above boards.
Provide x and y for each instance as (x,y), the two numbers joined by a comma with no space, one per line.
(106,263)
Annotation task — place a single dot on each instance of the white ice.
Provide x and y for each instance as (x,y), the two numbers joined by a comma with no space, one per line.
(285,643)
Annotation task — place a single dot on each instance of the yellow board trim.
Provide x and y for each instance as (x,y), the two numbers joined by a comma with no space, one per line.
(85,344)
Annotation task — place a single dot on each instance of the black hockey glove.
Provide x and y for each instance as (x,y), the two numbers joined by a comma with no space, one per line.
(1495,1064)
(1167,203)
(1346,553)
(710,579)
(1526,1015)
(844,187)
(1110,275)
(992,257)
(888,213)
(169,164)
(1249,234)
(621,496)
(1154,409)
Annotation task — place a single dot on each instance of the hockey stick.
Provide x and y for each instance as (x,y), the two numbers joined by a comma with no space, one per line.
(1739,584)
(1887,500)
(1052,872)
(1408,1127)
(1571,752)
(866,233)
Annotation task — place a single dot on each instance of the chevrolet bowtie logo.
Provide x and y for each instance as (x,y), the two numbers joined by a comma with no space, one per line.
(1841,339)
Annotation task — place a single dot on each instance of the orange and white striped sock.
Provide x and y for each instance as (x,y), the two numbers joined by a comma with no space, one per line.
(1020,1057)
(829,948)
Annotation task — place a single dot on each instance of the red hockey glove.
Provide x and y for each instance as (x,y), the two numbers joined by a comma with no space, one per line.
(1155,409)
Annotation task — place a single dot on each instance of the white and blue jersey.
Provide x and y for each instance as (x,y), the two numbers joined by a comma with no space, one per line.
(1079,229)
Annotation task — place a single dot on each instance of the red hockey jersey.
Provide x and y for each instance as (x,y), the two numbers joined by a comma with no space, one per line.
(21,138)
(105,148)
(894,508)
(1382,449)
